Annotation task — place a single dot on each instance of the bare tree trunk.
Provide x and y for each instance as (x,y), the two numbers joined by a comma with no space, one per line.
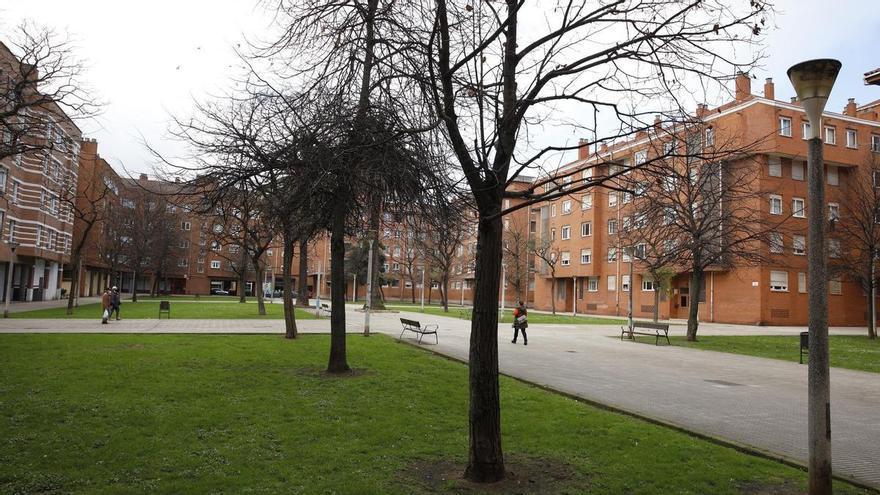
(338,360)
(74,282)
(694,308)
(444,293)
(302,296)
(134,289)
(656,301)
(553,293)
(242,275)
(258,287)
(486,461)
(289,311)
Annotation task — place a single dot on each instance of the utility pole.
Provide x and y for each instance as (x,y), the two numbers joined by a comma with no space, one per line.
(632,259)
(503,285)
(812,81)
(369,291)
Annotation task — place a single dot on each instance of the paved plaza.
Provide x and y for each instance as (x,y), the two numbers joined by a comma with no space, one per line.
(750,401)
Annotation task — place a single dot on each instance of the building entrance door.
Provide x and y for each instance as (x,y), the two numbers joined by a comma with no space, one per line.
(683,302)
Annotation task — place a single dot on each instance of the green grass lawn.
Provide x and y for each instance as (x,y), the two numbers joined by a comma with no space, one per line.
(855,352)
(103,414)
(507,317)
(182,297)
(179,310)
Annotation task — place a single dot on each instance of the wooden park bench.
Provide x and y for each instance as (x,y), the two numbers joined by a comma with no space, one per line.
(414,326)
(165,307)
(655,330)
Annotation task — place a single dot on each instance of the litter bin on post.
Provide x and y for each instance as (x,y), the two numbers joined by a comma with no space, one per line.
(805,345)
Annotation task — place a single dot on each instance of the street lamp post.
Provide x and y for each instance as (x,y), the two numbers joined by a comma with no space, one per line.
(423,288)
(8,292)
(812,81)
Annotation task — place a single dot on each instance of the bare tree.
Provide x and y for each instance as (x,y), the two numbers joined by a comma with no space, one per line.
(443,231)
(518,250)
(546,251)
(857,228)
(488,80)
(42,87)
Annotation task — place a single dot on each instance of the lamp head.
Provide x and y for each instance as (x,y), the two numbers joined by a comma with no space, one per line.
(812,81)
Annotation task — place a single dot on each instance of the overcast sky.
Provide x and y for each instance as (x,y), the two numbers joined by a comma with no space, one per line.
(151,59)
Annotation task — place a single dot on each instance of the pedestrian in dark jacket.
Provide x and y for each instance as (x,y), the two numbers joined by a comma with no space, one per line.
(115,302)
(520,323)
(105,306)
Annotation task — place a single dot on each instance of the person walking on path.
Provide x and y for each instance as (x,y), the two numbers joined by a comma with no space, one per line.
(115,302)
(520,323)
(105,305)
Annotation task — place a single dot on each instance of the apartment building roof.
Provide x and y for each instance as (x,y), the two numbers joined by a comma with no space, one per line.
(873,76)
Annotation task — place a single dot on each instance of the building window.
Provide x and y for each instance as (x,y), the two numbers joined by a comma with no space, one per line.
(586,256)
(778,281)
(833,211)
(215,265)
(774,167)
(269,253)
(835,287)
(775,205)
(797,170)
(612,283)
(11,230)
(852,138)
(553,234)
(185,226)
(566,207)
(587,175)
(802,282)
(184,244)
(395,267)
(624,283)
(830,135)
(710,136)
(215,246)
(553,210)
(566,232)
(612,226)
(808,131)
(647,284)
(586,229)
(612,254)
(587,201)
(833,248)
(612,198)
(875,143)
(833,178)
(798,208)
(182,262)
(776,243)
(4,176)
(200,268)
(798,245)
(640,157)
(593,284)
(784,126)
(565,258)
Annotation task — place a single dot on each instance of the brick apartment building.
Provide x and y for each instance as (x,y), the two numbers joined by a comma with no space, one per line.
(592,278)
(36,223)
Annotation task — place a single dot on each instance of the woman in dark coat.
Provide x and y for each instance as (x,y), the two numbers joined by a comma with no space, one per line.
(520,323)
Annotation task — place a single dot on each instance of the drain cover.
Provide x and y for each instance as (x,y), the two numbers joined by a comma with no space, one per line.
(725,383)
(573,352)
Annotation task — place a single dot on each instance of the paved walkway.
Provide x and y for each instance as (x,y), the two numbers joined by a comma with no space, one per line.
(18,306)
(760,403)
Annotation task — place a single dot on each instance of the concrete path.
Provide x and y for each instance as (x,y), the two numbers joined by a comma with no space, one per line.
(18,307)
(756,402)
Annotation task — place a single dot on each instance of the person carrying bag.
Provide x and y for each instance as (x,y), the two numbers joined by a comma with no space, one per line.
(520,323)
(105,305)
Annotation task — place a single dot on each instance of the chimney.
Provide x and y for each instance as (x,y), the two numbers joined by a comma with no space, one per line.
(743,86)
(702,110)
(769,89)
(583,148)
(794,100)
(850,108)
(604,148)
(657,122)
(143,177)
